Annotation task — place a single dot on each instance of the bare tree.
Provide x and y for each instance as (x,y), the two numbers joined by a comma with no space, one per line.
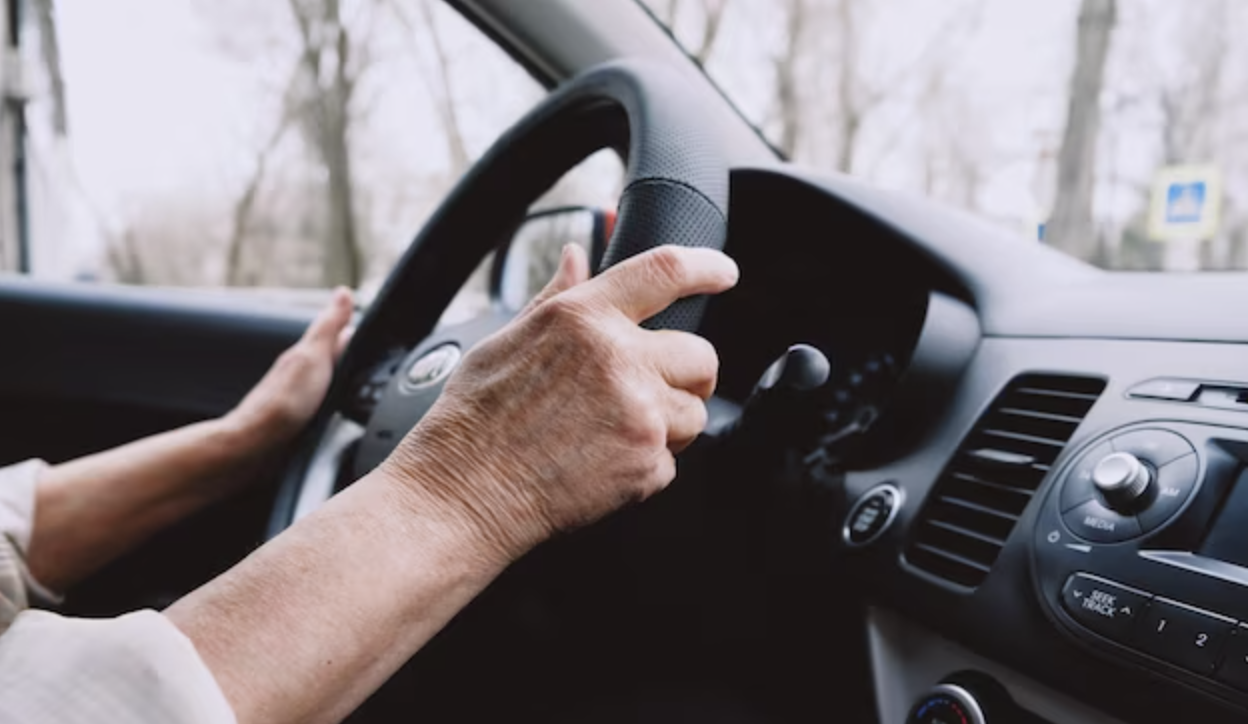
(326,88)
(826,87)
(712,20)
(1192,107)
(855,102)
(667,11)
(711,17)
(173,241)
(953,155)
(124,260)
(438,81)
(235,267)
(789,106)
(1192,104)
(1071,227)
(327,57)
(50,50)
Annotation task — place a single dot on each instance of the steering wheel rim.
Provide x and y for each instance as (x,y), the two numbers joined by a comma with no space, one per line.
(675,192)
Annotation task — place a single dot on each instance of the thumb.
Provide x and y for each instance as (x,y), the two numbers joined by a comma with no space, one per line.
(573,269)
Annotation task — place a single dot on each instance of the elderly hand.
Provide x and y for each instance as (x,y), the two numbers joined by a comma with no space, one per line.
(573,410)
(284,401)
(91,510)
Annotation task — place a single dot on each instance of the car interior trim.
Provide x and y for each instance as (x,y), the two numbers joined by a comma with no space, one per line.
(322,473)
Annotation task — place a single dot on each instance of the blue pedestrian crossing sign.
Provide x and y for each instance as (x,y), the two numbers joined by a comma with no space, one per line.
(1186,203)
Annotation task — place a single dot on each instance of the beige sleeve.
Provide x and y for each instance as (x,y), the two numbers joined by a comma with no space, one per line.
(17,514)
(137,668)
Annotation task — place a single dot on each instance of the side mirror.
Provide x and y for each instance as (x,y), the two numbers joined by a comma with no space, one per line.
(524,266)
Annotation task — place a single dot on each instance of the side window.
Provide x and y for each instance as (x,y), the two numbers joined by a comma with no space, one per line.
(229,143)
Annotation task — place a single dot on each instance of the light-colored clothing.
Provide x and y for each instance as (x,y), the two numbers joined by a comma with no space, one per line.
(136,669)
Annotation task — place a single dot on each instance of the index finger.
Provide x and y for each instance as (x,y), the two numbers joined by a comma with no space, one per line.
(644,285)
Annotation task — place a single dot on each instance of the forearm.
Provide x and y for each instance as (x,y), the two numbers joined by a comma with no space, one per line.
(309,625)
(91,510)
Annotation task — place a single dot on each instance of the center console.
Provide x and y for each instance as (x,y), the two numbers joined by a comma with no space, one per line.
(1141,552)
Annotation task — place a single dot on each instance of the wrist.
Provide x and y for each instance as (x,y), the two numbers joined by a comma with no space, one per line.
(442,474)
(415,498)
(233,451)
(249,434)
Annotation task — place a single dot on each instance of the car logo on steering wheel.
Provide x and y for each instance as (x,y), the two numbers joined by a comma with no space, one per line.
(434,366)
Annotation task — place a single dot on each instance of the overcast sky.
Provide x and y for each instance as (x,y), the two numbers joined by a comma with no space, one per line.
(152,103)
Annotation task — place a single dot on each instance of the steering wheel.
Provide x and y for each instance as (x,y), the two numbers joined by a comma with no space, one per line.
(676,192)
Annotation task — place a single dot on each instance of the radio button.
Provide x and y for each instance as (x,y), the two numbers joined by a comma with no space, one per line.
(1155,446)
(1098,524)
(1175,482)
(1078,487)
(1234,668)
(1182,635)
(1105,607)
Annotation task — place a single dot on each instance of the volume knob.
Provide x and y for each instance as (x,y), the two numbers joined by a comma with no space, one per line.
(1122,479)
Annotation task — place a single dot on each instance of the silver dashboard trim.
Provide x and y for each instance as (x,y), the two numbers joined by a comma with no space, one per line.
(1211,567)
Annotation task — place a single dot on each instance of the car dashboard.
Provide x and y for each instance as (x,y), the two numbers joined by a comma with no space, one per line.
(1041,507)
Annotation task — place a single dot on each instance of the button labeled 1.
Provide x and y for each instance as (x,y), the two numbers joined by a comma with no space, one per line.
(1183,635)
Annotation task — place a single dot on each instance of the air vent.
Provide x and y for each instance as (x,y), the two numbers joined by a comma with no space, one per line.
(995,473)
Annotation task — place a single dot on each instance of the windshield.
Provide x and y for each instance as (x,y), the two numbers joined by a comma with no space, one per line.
(1113,130)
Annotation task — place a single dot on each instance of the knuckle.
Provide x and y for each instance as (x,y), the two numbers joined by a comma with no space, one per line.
(563,314)
(644,424)
(704,356)
(662,471)
(669,265)
(698,417)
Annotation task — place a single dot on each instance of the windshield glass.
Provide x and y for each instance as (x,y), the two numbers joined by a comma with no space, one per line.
(1114,130)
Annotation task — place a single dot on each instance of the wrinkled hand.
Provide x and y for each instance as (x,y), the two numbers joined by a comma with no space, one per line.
(289,394)
(572,410)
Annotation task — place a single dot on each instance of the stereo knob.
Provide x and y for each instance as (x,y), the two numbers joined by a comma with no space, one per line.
(1122,479)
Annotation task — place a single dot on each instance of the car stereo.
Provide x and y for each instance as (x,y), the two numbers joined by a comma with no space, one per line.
(1141,551)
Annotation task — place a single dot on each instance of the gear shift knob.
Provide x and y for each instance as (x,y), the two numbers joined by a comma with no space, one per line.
(800,369)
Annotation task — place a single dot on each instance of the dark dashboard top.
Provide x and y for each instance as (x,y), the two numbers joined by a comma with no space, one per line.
(1022,288)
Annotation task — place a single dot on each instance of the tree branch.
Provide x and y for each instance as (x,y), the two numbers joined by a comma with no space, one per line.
(712,20)
(242,209)
(439,83)
(50,44)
